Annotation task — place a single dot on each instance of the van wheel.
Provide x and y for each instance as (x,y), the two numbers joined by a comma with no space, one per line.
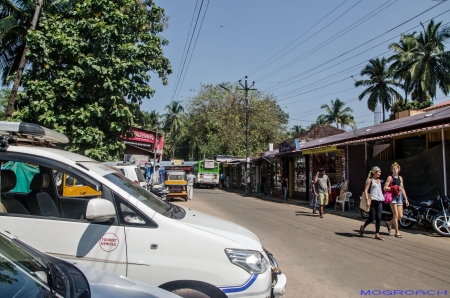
(193,289)
(190,293)
(185,199)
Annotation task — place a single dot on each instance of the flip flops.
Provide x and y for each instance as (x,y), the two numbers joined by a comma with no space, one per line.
(361,231)
(379,238)
(388,227)
(398,236)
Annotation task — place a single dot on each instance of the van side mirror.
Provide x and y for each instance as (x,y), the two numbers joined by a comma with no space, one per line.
(100,210)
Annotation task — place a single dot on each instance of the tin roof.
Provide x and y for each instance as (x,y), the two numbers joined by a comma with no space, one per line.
(439,118)
(437,106)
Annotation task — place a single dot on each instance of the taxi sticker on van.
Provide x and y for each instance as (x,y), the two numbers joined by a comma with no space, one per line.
(109,242)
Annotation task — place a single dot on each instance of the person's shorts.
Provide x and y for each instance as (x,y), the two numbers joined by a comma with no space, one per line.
(323,198)
(397,200)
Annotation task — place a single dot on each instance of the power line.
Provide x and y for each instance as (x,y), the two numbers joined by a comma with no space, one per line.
(342,62)
(193,49)
(190,42)
(184,50)
(262,66)
(320,96)
(310,37)
(368,41)
(312,50)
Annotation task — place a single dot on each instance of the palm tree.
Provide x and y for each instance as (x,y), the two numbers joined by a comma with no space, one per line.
(297,130)
(428,63)
(174,121)
(379,85)
(336,114)
(404,52)
(16,18)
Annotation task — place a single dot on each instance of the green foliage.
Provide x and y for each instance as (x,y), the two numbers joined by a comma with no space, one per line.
(4,94)
(216,121)
(296,130)
(336,114)
(379,85)
(422,61)
(146,120)
(91,67)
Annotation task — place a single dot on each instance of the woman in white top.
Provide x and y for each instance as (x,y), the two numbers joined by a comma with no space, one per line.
(373,187)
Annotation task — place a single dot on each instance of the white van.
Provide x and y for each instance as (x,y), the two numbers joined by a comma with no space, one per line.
(130,171)
(128,231)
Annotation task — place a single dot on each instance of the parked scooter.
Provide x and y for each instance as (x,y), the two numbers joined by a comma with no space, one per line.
(160,190)
(433,211)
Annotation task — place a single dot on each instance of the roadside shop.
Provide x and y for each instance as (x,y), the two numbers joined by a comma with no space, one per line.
(419,143)
(141,148)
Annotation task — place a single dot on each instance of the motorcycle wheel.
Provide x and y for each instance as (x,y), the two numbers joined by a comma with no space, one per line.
(440,225)
(364,214)
(404,223)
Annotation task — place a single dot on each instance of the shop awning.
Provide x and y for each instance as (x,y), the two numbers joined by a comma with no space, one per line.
(434,120)
(140,148)
(320,150)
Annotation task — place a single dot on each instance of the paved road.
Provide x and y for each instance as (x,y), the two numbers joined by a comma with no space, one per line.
(326,257)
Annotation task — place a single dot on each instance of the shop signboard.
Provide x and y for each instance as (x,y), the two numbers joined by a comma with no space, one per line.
(287,146)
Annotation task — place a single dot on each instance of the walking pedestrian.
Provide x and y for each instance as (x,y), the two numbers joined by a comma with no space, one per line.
(374,202)
(285,189)
(323,189)
(190,187)
(394,184)
(314,199)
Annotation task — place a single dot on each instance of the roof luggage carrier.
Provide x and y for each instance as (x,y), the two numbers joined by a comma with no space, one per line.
(15,132)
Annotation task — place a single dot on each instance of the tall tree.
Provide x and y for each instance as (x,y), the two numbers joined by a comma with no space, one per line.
(379,85)
(146,120)
(296,130)
(337,114)
(16,18)
(427,63)
(174,122)
(404,53)
(216,121)
(90,68)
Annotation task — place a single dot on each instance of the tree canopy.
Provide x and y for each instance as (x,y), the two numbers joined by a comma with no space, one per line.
(216,121)
(91,68)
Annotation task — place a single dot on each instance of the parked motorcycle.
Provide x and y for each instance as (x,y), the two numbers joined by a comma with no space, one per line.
(433,211)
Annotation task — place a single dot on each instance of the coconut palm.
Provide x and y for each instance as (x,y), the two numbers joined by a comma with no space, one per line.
(297,130)
(379,85)
(174,122)
(16,18)
(336,114)
(428,63)
(404,53)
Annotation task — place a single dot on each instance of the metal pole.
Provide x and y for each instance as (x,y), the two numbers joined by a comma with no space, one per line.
(247,128)
(444,162)
(154,158)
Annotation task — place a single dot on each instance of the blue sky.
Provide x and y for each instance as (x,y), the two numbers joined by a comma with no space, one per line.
(322,41)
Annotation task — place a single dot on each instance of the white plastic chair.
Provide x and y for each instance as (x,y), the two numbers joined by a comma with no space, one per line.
(343,199)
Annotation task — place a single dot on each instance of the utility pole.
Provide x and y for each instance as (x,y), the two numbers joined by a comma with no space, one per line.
(154,157)
(246,88)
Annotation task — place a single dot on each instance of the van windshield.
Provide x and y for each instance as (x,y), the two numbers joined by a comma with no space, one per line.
(130,187)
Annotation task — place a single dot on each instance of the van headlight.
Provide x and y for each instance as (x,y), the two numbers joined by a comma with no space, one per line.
(250,260)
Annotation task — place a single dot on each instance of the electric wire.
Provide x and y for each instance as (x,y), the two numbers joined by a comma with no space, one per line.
(311,36)
(185,45)
(265,90)
(262,65)
(190,42)
(361,21)
(193,49)
(351,50)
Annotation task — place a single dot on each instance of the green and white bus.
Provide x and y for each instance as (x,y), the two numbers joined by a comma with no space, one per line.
(208,173)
